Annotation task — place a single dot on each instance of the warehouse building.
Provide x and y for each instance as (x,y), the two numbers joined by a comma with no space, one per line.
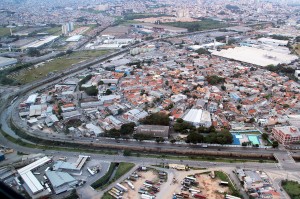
(61,181)
(31,184)
(155,131)
(198,117)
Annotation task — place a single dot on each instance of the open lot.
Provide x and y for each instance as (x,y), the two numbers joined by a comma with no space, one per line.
(42,70)
(297,48)
(151,175)
(4,32)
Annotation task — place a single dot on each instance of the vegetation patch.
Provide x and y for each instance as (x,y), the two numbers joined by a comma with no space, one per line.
(31,73)
(224,177)
(204,24)
(105,179)
(292,188)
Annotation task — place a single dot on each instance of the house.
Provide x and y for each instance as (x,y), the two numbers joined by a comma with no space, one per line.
(51,120)
(135,115)
(155,131)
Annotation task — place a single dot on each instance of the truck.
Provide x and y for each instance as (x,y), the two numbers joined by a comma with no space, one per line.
(189,178)
(143,169)
(224,183)
(145,196)
(212,174)
(130,184)
(147,185)
(194,190)
(231,197)
(196,195)
(122,187)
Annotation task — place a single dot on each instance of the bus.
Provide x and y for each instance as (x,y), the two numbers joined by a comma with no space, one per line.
(224,183)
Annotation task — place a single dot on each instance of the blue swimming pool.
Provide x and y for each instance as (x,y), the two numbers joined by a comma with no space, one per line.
(236,140)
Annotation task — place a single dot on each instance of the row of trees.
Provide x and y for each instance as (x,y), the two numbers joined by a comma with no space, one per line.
(161,119)
(216,137)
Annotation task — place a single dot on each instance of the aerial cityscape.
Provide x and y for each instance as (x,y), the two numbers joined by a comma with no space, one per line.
(150,99)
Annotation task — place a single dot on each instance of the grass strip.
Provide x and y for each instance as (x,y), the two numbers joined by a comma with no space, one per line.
(99,184)
(292,188)
(224,177)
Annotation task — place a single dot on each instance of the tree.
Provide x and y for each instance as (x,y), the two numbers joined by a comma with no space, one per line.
(202,51)
(173,141)
(156,119)
(223,88)
(194,138)
(244,144)
(214,80)
(127,129)
(91,91)
(159,139)
(275,144)
(100,82)
(252,120)
(126,153)
(239,107)
(108,92)
(33,52)
(265,136)
(183,127)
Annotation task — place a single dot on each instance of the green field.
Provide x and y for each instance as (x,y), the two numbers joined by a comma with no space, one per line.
(292,188)
(54,31)
(4,32)
(204,24)
(58,64)
(123,168)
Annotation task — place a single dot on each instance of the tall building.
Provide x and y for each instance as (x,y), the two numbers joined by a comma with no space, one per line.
(67,28)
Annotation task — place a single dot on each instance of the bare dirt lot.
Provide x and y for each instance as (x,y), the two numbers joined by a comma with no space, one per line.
(207,186)
(151,175)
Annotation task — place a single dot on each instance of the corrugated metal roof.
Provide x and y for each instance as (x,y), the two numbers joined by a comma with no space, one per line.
(59,178)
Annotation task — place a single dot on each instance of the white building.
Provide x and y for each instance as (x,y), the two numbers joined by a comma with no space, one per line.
(198,117)
(31,184)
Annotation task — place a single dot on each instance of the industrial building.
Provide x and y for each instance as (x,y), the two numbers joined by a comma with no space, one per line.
(155,131)
(61,181)
(4,62)
(74,38)
(41,42)
(198,117)
(262,57)
(31,184)
(74,168)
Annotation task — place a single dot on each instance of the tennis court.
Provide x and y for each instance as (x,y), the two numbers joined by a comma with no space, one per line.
(253,139)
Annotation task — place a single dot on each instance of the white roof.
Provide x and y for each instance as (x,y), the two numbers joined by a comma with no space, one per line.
(31,99)
(194,116)
(26,174)
(262,57)
(273,41)
(97,130)
(40,42)
(74,38)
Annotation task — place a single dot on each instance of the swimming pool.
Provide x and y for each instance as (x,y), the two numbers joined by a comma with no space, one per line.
(253,139)
(236,140)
